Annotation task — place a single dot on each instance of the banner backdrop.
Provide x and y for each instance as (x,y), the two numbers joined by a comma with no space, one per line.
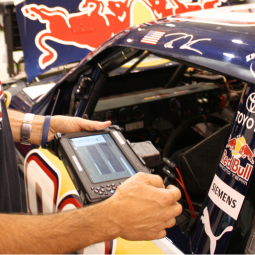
(58,32)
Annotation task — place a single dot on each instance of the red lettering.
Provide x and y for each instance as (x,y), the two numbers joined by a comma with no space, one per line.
(249,172)
(235,165)
(223,159)
(240,171)
(230,162)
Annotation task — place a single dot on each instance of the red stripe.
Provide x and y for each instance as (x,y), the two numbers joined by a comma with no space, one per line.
(70,200)
(107,247)
(48,172)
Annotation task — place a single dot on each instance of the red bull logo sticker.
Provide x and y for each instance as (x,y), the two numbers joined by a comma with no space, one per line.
(240,150)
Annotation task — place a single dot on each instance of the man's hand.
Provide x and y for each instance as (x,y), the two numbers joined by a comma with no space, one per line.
(68,124)
(58,123)
(140,209)
(144,208)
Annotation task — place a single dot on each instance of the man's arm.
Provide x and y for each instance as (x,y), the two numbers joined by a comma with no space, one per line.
(141,209)
(57,124)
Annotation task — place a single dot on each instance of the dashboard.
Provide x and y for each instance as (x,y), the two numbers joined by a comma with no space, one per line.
(139,110)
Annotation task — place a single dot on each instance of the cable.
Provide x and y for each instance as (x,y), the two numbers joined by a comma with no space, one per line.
(181,182)
(171,175)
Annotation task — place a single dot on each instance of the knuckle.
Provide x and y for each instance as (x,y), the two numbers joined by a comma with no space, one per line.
(141,175)
(171,223)
(167,216)
(178,195)
(180,208)
(161,234)
(158,179)
(153,235)
(170,199)
(175,195)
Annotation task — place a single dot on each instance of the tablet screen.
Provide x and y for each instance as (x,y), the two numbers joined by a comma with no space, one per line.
(102,158)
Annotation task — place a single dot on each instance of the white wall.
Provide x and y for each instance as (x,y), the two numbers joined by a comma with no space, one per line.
(3,57)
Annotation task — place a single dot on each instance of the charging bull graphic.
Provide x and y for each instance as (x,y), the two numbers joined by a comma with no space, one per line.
(240,148)
(95,22)
(83,29)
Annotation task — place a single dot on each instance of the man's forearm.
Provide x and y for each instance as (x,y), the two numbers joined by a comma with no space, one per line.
(57,124)
(16,119)
(140,209)
(58,233)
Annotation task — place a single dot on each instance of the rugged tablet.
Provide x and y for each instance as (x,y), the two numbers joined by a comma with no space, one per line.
(98,162)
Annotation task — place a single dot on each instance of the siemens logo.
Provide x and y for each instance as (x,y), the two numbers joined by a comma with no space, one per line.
(224,196)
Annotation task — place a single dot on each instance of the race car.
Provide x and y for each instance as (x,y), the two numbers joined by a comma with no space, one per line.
(178,82)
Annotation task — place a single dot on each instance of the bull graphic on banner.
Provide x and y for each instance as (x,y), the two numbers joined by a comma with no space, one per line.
(95,22)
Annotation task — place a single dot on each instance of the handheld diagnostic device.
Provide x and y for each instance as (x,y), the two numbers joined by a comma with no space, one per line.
(97,162)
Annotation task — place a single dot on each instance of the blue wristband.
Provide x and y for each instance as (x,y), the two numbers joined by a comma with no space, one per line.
(46,128)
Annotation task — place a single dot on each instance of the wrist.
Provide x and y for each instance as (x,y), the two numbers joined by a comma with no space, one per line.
(26,128)
(46,127)
(104,215)
(37,130)
(113,216)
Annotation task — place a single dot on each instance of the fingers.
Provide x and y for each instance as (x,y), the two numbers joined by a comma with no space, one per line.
(175,192)
(170,223)
(153,208)
(149,179)
(161,234)
(102,125)
(91,125)
(174,210)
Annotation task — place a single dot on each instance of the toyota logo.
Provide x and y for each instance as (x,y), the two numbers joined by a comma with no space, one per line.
(250,104)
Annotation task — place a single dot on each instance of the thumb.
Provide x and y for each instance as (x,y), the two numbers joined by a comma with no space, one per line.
(91,125)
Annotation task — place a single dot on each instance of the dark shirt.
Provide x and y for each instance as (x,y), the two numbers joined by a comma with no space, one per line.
(10,191)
